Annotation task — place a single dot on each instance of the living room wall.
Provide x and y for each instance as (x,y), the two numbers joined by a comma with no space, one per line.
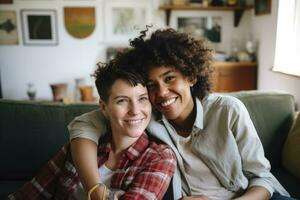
(73,58)
(268,80)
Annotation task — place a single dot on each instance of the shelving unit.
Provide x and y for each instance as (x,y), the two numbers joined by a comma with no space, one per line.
(238,10)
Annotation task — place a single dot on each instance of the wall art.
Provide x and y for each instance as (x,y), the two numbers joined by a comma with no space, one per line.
(8,27)
(39,27)
(80,21)
(124,21)
(208,27)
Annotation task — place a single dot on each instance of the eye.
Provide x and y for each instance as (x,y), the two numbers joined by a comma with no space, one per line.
(144,99)
(121,101)
(150,85)
(169,78)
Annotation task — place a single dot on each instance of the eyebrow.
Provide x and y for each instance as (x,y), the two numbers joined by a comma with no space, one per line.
(166,73)
(123,96)
(162,75)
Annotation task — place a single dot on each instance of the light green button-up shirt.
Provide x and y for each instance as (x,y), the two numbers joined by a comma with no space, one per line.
(224,139)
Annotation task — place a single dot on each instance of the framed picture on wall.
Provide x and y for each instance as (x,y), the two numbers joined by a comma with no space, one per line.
(262,7)
(39,27)
(199,27)
(80,22)
(8,27)
(123,21)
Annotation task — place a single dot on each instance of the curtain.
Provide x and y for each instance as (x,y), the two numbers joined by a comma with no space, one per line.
(287,52)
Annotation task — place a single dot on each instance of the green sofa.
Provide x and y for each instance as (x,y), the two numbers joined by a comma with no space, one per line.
(31,132)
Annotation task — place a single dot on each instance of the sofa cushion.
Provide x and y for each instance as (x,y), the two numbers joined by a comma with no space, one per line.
(291,149)
(272,114)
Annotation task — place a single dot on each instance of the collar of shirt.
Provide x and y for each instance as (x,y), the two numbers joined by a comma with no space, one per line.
(132,153)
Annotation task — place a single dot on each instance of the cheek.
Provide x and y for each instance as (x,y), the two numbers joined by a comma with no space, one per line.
(151,96)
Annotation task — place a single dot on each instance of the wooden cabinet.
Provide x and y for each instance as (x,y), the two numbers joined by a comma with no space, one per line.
(231,76)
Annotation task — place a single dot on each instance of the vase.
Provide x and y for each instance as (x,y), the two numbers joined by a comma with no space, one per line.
(59,91)
(31,91)
(87,93)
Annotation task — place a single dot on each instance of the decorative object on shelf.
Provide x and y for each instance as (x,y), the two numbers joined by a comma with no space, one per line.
(80,21)
(178,2)
(87,93)
(232,2)
(59,91)
(262,7)
(8,27)
(78,83)
(125,21)
(31,91)
(201,27)
(39,27)
(250,48)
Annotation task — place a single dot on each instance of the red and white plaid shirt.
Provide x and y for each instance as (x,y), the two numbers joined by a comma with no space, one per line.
(144,172)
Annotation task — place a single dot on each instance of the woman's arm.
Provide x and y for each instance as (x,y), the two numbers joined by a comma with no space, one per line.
(255,192)
(85,131)
(255,165)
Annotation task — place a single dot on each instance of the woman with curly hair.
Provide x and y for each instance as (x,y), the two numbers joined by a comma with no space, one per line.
(219,154)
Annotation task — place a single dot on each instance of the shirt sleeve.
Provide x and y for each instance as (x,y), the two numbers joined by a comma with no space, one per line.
(153,181)
(90,125)
(255,165)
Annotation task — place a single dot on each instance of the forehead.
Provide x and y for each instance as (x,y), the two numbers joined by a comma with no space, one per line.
(161,71)
(124,88)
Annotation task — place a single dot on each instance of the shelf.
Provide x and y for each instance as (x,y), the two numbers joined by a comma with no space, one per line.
(238,10)
(234,64)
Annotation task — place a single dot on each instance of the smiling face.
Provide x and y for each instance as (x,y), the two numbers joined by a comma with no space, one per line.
(170,93)
(128,109)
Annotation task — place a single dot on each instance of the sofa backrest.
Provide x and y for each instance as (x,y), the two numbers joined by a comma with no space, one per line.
(272,114)
(31,133)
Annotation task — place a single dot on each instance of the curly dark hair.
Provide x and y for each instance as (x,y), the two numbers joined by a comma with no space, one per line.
(167,47)
(107,73)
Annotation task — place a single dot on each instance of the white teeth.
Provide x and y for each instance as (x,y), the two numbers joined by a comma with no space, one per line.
(132,122)
(168,102)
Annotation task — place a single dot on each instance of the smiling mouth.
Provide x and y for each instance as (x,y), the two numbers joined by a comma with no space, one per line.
(134,122)
(168,102)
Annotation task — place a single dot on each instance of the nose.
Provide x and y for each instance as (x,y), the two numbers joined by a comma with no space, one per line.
(162,89)
(134,108)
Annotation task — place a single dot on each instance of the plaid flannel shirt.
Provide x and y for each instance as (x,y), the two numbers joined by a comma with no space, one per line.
(144,172)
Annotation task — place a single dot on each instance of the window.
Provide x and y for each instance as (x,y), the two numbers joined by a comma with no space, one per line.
(287,52)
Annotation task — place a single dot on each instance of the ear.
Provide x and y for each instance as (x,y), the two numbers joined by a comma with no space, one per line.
(103,107)
(193,82)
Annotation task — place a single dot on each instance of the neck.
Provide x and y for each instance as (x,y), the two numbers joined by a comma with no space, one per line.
(119,144)
(184,126)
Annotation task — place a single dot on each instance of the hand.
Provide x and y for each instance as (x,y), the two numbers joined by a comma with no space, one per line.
(197,197)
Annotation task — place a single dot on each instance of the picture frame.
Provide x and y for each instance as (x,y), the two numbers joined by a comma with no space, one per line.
(39,27)
(262,7)
(124,21)
(200,26)
(9,30)
(80,22)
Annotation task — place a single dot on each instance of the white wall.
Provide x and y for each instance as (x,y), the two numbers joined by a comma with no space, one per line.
(73,58)
(264,30)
